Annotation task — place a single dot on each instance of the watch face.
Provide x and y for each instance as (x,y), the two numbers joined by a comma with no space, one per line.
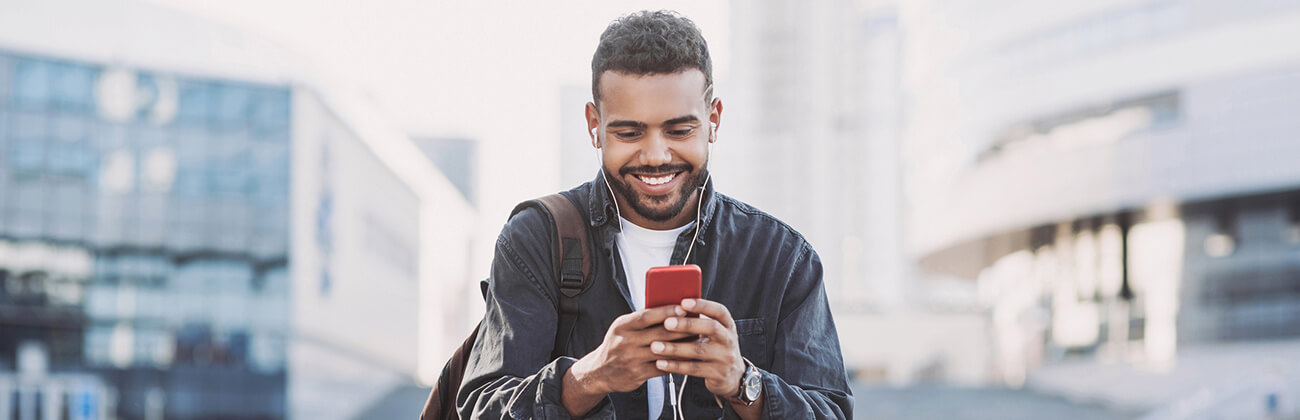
(753,385)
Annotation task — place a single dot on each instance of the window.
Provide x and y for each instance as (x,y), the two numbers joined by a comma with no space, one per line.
(194,103)
(31,84)
(270,117)
(27,158)
(6,80)
(175,208)
(232,107)
(73,87)
(77,160)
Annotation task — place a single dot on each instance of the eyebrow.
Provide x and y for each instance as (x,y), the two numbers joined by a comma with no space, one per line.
(626,123)
(641,125)
(683,119)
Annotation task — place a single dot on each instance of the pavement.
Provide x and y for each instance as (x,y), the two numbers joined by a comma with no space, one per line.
(922,402)
(935,402)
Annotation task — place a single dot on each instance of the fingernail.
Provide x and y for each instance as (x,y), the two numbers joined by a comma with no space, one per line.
(662,364)
(656,347)
(689,303)
(671,323)
(680,311)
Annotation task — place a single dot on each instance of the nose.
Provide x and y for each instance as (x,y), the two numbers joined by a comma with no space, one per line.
(655,152)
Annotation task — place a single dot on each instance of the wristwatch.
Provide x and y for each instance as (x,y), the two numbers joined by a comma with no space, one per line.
(751,385)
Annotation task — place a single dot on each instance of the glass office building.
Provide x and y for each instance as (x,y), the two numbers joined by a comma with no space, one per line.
(196,225)
(192,227)
(144,240)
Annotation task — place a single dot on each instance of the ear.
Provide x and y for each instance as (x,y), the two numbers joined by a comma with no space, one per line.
(715,118)
(593,124)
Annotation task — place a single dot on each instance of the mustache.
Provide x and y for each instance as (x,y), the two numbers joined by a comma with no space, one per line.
(656,170)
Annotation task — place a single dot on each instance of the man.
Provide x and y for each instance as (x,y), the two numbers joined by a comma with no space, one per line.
(767,346)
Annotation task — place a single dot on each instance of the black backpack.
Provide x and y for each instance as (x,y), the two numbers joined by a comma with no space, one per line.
(573,270)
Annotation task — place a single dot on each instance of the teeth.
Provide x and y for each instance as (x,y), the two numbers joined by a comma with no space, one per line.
(657,181)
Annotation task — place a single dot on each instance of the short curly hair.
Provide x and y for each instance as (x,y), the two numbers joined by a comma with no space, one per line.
(651,42)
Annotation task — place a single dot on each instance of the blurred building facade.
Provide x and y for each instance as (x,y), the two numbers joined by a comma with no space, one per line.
(1116,177)
(457,159)
(811,132)
(157,240)
(190,228)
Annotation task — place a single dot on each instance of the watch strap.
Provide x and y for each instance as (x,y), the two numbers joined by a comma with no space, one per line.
(738,399)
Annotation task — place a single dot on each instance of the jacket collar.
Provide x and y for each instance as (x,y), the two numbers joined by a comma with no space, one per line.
(601,209)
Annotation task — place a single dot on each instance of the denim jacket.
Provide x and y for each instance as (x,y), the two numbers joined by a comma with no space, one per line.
(766,274)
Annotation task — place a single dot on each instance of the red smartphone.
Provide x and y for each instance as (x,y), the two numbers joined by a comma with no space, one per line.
(669,285)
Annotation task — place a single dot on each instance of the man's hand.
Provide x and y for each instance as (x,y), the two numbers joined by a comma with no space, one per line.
(715,357)
(622,362)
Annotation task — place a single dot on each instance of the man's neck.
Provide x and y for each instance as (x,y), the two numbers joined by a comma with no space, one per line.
(683,217)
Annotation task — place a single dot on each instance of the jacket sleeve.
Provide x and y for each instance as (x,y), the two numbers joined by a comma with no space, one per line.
(807,380)
(510,374)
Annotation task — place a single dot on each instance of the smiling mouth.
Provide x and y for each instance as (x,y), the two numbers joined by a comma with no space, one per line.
(657,179)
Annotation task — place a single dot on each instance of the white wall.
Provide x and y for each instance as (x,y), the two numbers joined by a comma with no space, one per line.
(357,335)
(965,83)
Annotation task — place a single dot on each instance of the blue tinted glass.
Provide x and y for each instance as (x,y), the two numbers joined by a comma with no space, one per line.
(27,156)
(74,87)
(4,128)
(6,81)
(272,135)
(193,103)
(272,109)
(28,126)
(69,129)
(227,182)
(189,182)
(271,117)
(72,159)
(147,87)
(32,84)
(237,345)
(232,106)
(271,169)
(222,178)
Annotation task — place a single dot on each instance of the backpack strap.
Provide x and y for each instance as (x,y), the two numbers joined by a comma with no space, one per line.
(573,271)
(572,257)
(572,251)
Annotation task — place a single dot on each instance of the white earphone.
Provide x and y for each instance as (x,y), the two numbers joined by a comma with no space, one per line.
(674,397)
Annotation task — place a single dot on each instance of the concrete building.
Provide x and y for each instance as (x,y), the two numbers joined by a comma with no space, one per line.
(1116,178)
(813,134)
(811,126)
(194,226)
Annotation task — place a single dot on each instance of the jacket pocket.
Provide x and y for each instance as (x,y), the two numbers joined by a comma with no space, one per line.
(753,340)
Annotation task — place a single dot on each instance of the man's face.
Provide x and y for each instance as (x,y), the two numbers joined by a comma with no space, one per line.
(654,132)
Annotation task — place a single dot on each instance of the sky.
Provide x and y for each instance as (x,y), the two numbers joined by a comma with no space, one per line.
(449,68)
(484,70)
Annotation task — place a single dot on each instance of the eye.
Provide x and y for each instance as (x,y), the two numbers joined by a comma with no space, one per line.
(682,132)
(627,135)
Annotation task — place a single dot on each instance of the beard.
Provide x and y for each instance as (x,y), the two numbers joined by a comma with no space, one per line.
(648,206)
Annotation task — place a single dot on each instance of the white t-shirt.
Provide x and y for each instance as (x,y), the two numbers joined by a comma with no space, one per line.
(641,249)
